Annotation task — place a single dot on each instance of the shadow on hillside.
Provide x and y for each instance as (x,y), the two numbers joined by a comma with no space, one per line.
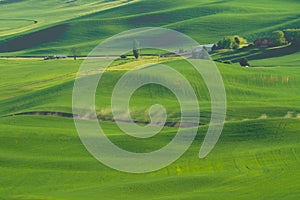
(33,39)
(9,1)
(258,53)
(217,2)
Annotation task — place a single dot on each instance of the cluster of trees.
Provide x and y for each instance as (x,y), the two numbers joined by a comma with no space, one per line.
(231,42)
(277,38)
(292,36)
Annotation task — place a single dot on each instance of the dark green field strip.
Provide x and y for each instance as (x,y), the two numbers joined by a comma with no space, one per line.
(256,54)
(33,39)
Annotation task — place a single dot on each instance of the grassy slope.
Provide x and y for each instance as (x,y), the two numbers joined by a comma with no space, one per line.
(17,17)
(24,76)
(43,158)
(205,21)
(251,92)
(291,60)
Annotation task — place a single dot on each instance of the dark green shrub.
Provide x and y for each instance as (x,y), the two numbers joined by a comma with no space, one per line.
(244,62)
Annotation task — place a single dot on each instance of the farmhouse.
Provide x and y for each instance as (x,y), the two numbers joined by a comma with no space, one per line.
(208,47)
(263,42)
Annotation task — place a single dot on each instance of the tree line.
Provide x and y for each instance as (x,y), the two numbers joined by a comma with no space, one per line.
(276,38)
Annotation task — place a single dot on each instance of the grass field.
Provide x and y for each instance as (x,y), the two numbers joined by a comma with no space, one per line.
(205,21)
(251,92)
(43,158)
(41,154)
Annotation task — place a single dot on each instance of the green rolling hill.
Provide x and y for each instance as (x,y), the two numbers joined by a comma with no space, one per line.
(83,27)
(251,92)
(43,158)
(41,155)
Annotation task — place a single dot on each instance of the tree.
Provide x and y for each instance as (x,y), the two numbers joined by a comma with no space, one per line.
(225,43)
(278,38)
(136,49)
(75,52)
(244,62)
